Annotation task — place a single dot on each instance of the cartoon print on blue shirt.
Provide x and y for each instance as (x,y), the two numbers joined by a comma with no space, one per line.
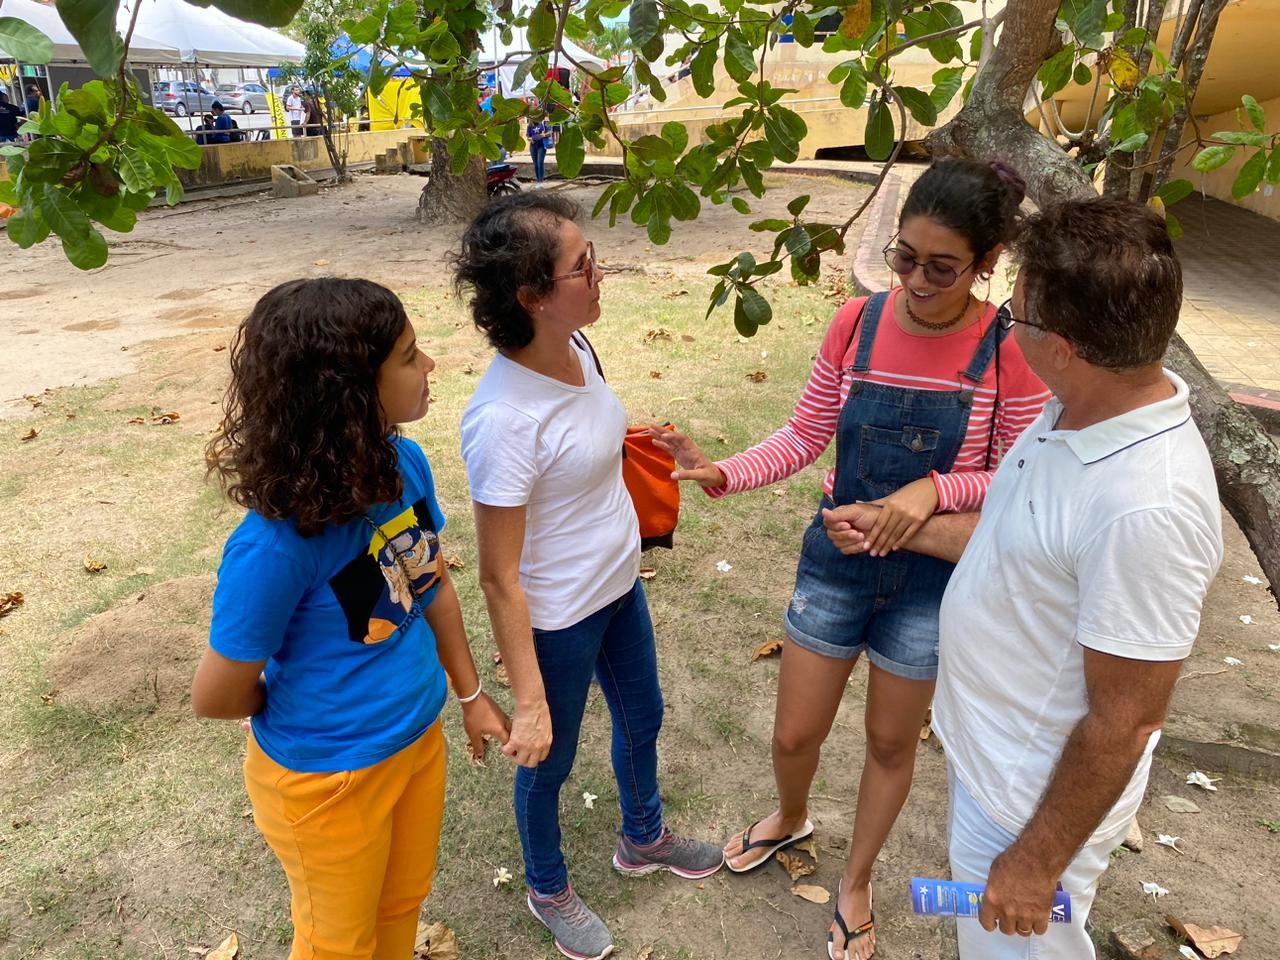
(372,588)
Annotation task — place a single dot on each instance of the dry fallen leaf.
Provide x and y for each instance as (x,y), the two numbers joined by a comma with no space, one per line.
(137,420)
(722,439)
(687,338)
(322,263)
(758,376)
(435,942)
(500,671)
(766,650)
(807,846)
(645,952)
(228,949)
(675,293)
(197,951)
(33,400)
(168,416)
(454,562)
(1211,941)
(1180,804)
(655,374)
(795,867)
(647,573)
(662,333)
(10,602)
(30,435)
(219,348)
(814,894)
(94,566)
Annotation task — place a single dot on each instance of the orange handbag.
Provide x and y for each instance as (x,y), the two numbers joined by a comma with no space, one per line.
(646,471)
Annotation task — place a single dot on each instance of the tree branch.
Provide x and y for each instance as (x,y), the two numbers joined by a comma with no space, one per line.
(1191,74)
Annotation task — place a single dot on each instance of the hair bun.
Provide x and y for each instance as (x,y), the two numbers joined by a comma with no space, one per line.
(1011,178)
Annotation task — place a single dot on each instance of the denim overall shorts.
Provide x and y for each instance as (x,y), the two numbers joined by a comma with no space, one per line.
(886,437)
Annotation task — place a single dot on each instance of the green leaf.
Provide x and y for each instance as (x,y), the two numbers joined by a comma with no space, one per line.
(1250,175)
(1256,115)
(741,206)
(1211,158)
(436,100)
(879,138)
(975,45)
(1134,38)
(21,41)
(643,25)
(1248,138)
(659,228)
(703,68)
(63,216)
(269,13)
(366,30)
(1056,71)
(1131,143)
(676,134)
(755,306)
(770,225)
(802,29)
(751,177)
(49,159)
(93,24)
(685,204)
(946,84)
(27,227)
(1082,75)
(444,49)
(797,241)
(797,205)
(1175,190)
(738,58)
(134,170)
(1173,225)
(542,26)
(1272,174)
(570,152)
(741,322)
(919,104)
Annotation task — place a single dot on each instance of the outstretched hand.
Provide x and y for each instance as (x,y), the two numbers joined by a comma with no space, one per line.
(692,462)
(483,720)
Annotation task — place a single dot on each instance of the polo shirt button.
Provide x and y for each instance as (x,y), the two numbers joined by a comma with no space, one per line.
(1041,439)
(1020,463)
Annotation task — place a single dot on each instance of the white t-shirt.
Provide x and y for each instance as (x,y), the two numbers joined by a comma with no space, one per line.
(1105,538)
(555,449)
(296,112)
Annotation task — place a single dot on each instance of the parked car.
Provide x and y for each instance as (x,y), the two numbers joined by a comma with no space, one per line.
(245,97)
(181,97)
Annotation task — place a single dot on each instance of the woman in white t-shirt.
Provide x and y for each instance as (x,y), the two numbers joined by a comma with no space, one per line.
(559,548)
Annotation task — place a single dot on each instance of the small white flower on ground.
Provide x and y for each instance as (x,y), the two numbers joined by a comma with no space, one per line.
(724,566)
(501,875)
(1197,779)
(1169,841)
(1185,951)
(764,354)
(1274,647)
(1232,661)
(1154,890)
(1246,619)
(589,799)
(1251,580)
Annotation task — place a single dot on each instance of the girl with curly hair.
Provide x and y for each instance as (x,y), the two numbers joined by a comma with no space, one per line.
(336,629)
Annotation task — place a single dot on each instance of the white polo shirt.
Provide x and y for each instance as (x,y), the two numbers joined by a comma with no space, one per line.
(1105,538)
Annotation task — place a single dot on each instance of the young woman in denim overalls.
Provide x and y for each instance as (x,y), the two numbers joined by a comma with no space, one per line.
(921,390)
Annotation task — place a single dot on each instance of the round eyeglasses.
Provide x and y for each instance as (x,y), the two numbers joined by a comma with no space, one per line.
(589,270)
(941,275)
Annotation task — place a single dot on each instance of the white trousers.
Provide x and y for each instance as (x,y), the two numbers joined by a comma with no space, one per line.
(975,841)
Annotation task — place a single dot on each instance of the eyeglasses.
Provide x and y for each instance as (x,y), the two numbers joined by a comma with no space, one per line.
(589,270)
(937,273)
(1006,319)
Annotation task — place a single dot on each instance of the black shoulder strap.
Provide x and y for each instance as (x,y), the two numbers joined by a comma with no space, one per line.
(595,359)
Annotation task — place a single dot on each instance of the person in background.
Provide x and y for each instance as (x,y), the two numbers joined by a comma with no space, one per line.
(34,98)
(204,131)
(223,125)
(538,133)
(295,110)
(315,115)
(11,116)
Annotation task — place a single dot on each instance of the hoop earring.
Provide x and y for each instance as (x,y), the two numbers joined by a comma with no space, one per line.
(986,294)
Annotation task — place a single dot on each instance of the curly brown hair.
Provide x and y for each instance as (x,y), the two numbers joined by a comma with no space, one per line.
(303,435)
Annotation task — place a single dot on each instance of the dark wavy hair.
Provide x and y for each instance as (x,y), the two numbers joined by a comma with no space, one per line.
(513,243)
(302,436)
(979,201)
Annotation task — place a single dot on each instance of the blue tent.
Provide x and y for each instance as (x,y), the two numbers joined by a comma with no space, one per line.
(360,59)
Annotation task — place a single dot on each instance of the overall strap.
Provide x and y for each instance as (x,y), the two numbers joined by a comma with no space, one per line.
(984,354)
(871,310)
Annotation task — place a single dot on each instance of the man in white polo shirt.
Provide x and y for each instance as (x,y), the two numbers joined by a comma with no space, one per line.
(1077,592)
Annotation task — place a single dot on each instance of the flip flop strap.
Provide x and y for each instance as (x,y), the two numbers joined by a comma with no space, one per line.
(750,844)
(850,936)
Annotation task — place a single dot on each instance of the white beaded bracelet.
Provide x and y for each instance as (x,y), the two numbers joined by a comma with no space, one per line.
(479,690)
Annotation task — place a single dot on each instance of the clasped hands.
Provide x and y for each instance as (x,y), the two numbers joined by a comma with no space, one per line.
(879,527)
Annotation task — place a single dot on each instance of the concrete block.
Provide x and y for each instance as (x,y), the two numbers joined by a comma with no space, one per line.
(289,181)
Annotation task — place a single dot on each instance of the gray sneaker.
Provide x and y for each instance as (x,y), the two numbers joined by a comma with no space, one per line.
(579,933)
(683,856)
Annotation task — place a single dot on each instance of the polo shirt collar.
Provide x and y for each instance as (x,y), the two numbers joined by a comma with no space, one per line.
(1101,440)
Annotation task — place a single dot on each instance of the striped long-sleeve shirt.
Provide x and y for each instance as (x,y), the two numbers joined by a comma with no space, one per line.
(899,359)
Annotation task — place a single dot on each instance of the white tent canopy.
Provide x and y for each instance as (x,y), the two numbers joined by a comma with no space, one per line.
(206,36)
(507,57)
(143,49)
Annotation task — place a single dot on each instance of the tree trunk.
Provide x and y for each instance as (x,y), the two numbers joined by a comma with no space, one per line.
(450,198)
(991,126)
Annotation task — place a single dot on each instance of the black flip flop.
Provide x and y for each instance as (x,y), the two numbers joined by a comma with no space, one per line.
(772,845)
(849,936)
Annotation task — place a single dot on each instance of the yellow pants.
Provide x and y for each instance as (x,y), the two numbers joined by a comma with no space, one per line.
(358,847)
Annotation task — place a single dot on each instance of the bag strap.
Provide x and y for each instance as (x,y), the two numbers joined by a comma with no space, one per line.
(594,357)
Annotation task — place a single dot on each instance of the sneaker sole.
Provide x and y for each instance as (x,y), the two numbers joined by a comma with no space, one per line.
(559,946)
(628,870)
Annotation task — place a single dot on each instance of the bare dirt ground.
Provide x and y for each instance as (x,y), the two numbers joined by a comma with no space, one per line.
(86,675)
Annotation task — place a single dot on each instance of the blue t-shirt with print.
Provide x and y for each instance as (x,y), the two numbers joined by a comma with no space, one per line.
(352,672)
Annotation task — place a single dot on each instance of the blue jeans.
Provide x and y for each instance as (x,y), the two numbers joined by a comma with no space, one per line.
(538,151)
(616,646)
